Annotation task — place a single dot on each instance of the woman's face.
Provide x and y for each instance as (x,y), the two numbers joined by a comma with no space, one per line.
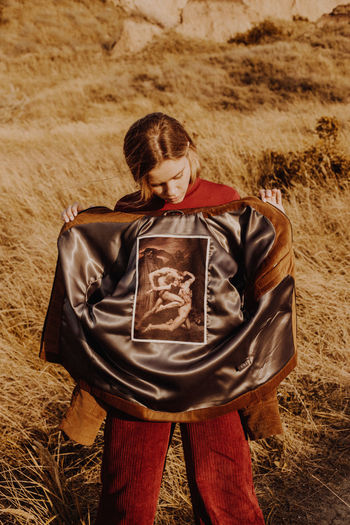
(170,179)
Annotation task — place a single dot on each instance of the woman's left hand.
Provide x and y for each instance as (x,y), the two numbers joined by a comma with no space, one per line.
(273,197)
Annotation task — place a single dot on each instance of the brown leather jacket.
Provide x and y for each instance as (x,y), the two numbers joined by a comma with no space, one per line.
(223,280)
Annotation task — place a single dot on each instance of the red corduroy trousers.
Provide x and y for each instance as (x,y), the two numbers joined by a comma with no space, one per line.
(217,462)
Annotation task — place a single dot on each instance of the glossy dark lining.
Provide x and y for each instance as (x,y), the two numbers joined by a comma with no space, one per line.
(247,342)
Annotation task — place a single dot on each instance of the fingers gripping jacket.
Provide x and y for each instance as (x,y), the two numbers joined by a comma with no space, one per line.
(178,317)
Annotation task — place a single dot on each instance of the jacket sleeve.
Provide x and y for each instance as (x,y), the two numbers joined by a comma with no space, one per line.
(83,418)
(261,419)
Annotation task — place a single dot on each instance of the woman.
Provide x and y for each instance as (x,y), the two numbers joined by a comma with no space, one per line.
(163,161)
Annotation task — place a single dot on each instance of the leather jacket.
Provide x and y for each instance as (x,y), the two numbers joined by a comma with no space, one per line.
(180,316)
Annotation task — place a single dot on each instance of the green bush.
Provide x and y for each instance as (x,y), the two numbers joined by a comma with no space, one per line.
(322,163)
(262,33)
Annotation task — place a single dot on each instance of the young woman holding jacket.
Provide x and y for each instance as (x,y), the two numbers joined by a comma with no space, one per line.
(164,162)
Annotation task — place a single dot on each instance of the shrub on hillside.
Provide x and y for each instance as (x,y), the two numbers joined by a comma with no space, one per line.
(255,79)
(263,33)
(322,163)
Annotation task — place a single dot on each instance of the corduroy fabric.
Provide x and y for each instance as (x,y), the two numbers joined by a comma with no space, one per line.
(217,462)
(219,472)
(132,467)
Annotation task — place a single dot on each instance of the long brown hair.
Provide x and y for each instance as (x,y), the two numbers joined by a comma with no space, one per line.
(153,139)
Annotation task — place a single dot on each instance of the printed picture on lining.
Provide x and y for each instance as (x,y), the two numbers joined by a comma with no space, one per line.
(170,302)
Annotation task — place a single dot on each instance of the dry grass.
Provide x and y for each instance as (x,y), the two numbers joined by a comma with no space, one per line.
(65,106)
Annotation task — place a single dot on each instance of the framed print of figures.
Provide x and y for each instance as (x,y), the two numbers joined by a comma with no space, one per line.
(171,284)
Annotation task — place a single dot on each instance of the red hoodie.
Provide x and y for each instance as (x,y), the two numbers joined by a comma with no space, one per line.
(200,193)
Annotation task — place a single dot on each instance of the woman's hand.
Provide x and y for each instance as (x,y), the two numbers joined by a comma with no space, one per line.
(71,212)
(273,197)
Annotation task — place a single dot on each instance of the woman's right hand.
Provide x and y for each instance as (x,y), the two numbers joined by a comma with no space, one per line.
(71,212)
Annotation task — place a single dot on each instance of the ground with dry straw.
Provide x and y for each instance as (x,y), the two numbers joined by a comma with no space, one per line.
(268,108)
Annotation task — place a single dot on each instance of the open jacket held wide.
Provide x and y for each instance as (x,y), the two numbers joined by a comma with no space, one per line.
(175,316)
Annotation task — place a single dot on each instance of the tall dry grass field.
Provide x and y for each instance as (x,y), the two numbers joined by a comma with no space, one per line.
(253,107)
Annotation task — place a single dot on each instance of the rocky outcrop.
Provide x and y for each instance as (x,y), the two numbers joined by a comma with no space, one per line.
(166,13)
(216,20)
(135,35)
(339,16)
(221,20)
(286,9)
